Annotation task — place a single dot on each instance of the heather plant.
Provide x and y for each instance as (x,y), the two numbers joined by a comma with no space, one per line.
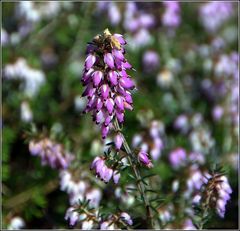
(120,115)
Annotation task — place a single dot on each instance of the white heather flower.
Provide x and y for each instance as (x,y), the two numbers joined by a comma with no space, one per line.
(79,103)
(94,196)
(87,225)
(4,37)
(16,223)
(33,79)
(26,112)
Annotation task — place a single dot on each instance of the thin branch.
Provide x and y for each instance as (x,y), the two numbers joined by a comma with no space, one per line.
(140,185)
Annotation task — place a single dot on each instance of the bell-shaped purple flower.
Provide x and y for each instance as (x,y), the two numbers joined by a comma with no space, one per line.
(118,141)
(113,77)
(143,158)
(126,83)
(119,102)
(97,76)
(90,60)
(105,91)
(116,177)
(108,59)
(109,104)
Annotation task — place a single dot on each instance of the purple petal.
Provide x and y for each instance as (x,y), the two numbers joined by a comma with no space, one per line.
(120,39)
(112,75)
(104,130)
(105,91)
(90,60)
(108,59)
(127,83)
(118,140)
(97,77)
(109,105)
(118,54)
(119,102)
(116,177)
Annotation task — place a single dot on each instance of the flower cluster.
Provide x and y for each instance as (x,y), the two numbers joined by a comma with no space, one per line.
(216,192)
(32,79)
(179,158)
(214,13)
(51,153)
(103,171)
(106,80)
(151,141)
(90,219)
(79,189)
(171,17)
(87,219)
(113,221)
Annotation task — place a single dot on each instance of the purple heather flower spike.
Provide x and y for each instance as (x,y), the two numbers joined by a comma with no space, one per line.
(90,60)
(108,59)
(97,77)
(105,91)
(106,79)
(119,102)
(113,77)
(116,177)
(127,83)
(118,140)
(109,105)
(143,158)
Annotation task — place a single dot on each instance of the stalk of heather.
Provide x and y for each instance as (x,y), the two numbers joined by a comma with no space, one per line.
(108,96)
(106,80)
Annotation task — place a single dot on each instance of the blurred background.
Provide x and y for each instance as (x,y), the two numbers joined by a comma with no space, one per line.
(186,60)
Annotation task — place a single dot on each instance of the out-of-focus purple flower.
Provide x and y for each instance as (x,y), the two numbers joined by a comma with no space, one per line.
(51,153)
(214,13)
(188,225)
(106,80)
(181,123)
(126,218)
(217,112)
(221,190)
(114,13)
(196,179)
(151,60)
(171,17)
(146,20)
(72,216)
(144,159)
(178,157)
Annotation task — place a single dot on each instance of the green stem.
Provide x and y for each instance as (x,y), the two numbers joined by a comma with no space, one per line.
(140,185)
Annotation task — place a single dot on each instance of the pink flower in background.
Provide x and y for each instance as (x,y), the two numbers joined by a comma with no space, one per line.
(171,17)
